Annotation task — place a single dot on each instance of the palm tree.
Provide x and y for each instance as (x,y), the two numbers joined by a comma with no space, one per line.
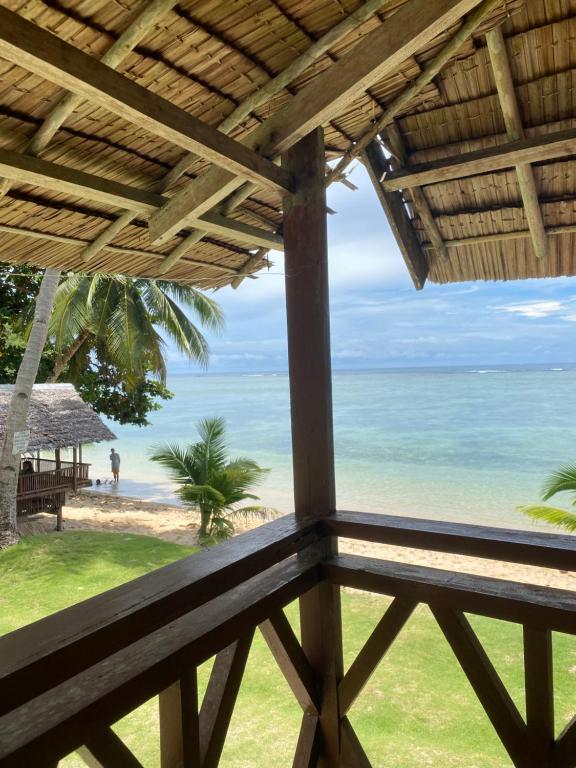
(210,482)
(560,481)
(123,316)
(19,405)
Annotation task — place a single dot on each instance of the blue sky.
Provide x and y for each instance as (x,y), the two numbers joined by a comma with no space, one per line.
(380,320)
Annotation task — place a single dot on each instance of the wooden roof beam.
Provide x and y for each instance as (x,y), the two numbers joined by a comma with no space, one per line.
(149,14)
(395,210)
(515,130)
(419,203)
(66,240)
(26,169)
(497,237)
(385,48)
(472,22)
(551,146)
(259,97)
(33,48)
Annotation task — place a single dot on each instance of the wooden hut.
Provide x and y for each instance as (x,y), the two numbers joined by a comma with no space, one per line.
(58,419)
(144,138)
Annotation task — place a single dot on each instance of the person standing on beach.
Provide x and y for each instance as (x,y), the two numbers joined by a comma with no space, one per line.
(115,462)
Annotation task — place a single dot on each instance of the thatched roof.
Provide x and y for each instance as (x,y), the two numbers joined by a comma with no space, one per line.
(58,418)
(220,63)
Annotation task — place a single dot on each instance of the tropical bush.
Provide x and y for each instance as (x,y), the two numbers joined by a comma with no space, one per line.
(563,480)
(210,482)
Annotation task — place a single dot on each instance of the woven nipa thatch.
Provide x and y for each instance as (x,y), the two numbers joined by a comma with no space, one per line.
(234,65)
(58,418)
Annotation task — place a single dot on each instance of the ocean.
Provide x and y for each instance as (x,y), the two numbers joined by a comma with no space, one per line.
(465,444)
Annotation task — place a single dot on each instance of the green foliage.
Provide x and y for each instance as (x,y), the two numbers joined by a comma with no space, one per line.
(18,289)
(210,482)
(552,515)
(103,336)
(122,316)
(104,386)
(563,480)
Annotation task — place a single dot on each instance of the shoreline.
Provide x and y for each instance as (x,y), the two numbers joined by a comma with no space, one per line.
(93,511)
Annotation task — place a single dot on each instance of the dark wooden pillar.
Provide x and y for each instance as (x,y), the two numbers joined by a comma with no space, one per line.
(75,468)
(307,305)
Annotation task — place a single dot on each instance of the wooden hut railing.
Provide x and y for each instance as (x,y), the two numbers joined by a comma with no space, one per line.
(65,680)
(52,477)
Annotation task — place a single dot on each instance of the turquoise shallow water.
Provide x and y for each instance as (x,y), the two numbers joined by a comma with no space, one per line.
(455,444)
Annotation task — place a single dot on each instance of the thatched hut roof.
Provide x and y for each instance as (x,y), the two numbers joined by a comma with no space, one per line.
(220,63)
(58,418)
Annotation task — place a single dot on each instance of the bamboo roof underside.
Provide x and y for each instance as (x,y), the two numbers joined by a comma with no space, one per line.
(208,58)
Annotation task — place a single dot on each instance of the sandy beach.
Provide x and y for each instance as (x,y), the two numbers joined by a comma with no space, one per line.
(103,512)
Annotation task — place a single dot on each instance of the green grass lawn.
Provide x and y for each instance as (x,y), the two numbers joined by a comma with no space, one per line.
(417,710)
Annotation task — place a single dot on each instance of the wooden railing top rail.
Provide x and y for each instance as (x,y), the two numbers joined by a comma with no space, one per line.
(537,606)
(54,463)
(529,547)
(57,722)
(42,655)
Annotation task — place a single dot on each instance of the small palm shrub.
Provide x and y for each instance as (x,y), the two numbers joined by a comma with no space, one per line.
(563,480)
(210,482)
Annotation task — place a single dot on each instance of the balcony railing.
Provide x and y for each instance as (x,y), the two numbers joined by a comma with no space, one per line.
(65,680)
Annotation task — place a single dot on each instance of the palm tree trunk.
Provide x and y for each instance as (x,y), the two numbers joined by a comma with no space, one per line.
(64,359)
(20,403)
(205,516)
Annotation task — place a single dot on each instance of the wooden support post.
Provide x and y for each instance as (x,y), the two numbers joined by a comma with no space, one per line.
(306,268)
(220,698)
(103,749)
(515,130)
(487,685)
(398,218)
(539,693)
(179,723)
(419,202)
(75,468)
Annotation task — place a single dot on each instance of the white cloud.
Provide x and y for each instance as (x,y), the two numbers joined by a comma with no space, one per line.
(534,309)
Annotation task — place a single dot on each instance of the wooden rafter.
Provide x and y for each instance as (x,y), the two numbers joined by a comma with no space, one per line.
(148,15)
(515,130)
(59,178)
(451,48)
(418,202)
(76,241)
(29,46)
(523,234)
(146,19)
(545,148)
(411,27)
(247,107)
(398,218)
